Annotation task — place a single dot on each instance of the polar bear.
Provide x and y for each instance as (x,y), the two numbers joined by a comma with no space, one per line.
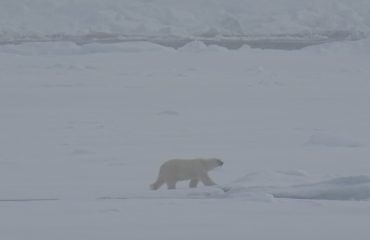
(194,170)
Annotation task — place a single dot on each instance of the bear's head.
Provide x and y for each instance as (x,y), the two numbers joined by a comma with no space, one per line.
(212,163)
(220,163)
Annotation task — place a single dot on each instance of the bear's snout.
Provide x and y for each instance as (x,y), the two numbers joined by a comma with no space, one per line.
(220,163)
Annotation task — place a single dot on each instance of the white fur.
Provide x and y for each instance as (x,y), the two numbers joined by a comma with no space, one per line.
(194,170)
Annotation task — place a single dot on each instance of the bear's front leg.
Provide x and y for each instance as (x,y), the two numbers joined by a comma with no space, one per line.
(207,181)
(171,184)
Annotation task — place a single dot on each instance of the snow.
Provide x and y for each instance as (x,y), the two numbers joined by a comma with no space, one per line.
(84,129)
(330,141)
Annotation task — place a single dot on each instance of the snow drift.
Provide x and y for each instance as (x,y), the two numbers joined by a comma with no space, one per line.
(281,185)
(113,20)
(344,188)
(354,188)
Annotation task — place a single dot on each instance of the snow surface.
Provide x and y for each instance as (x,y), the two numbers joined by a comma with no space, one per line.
(114,20)
(84,129)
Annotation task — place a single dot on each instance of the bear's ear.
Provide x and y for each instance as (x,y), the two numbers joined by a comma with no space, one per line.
(220,163)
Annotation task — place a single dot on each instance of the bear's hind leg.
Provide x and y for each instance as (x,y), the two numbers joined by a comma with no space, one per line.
(157,184)
(193,183)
